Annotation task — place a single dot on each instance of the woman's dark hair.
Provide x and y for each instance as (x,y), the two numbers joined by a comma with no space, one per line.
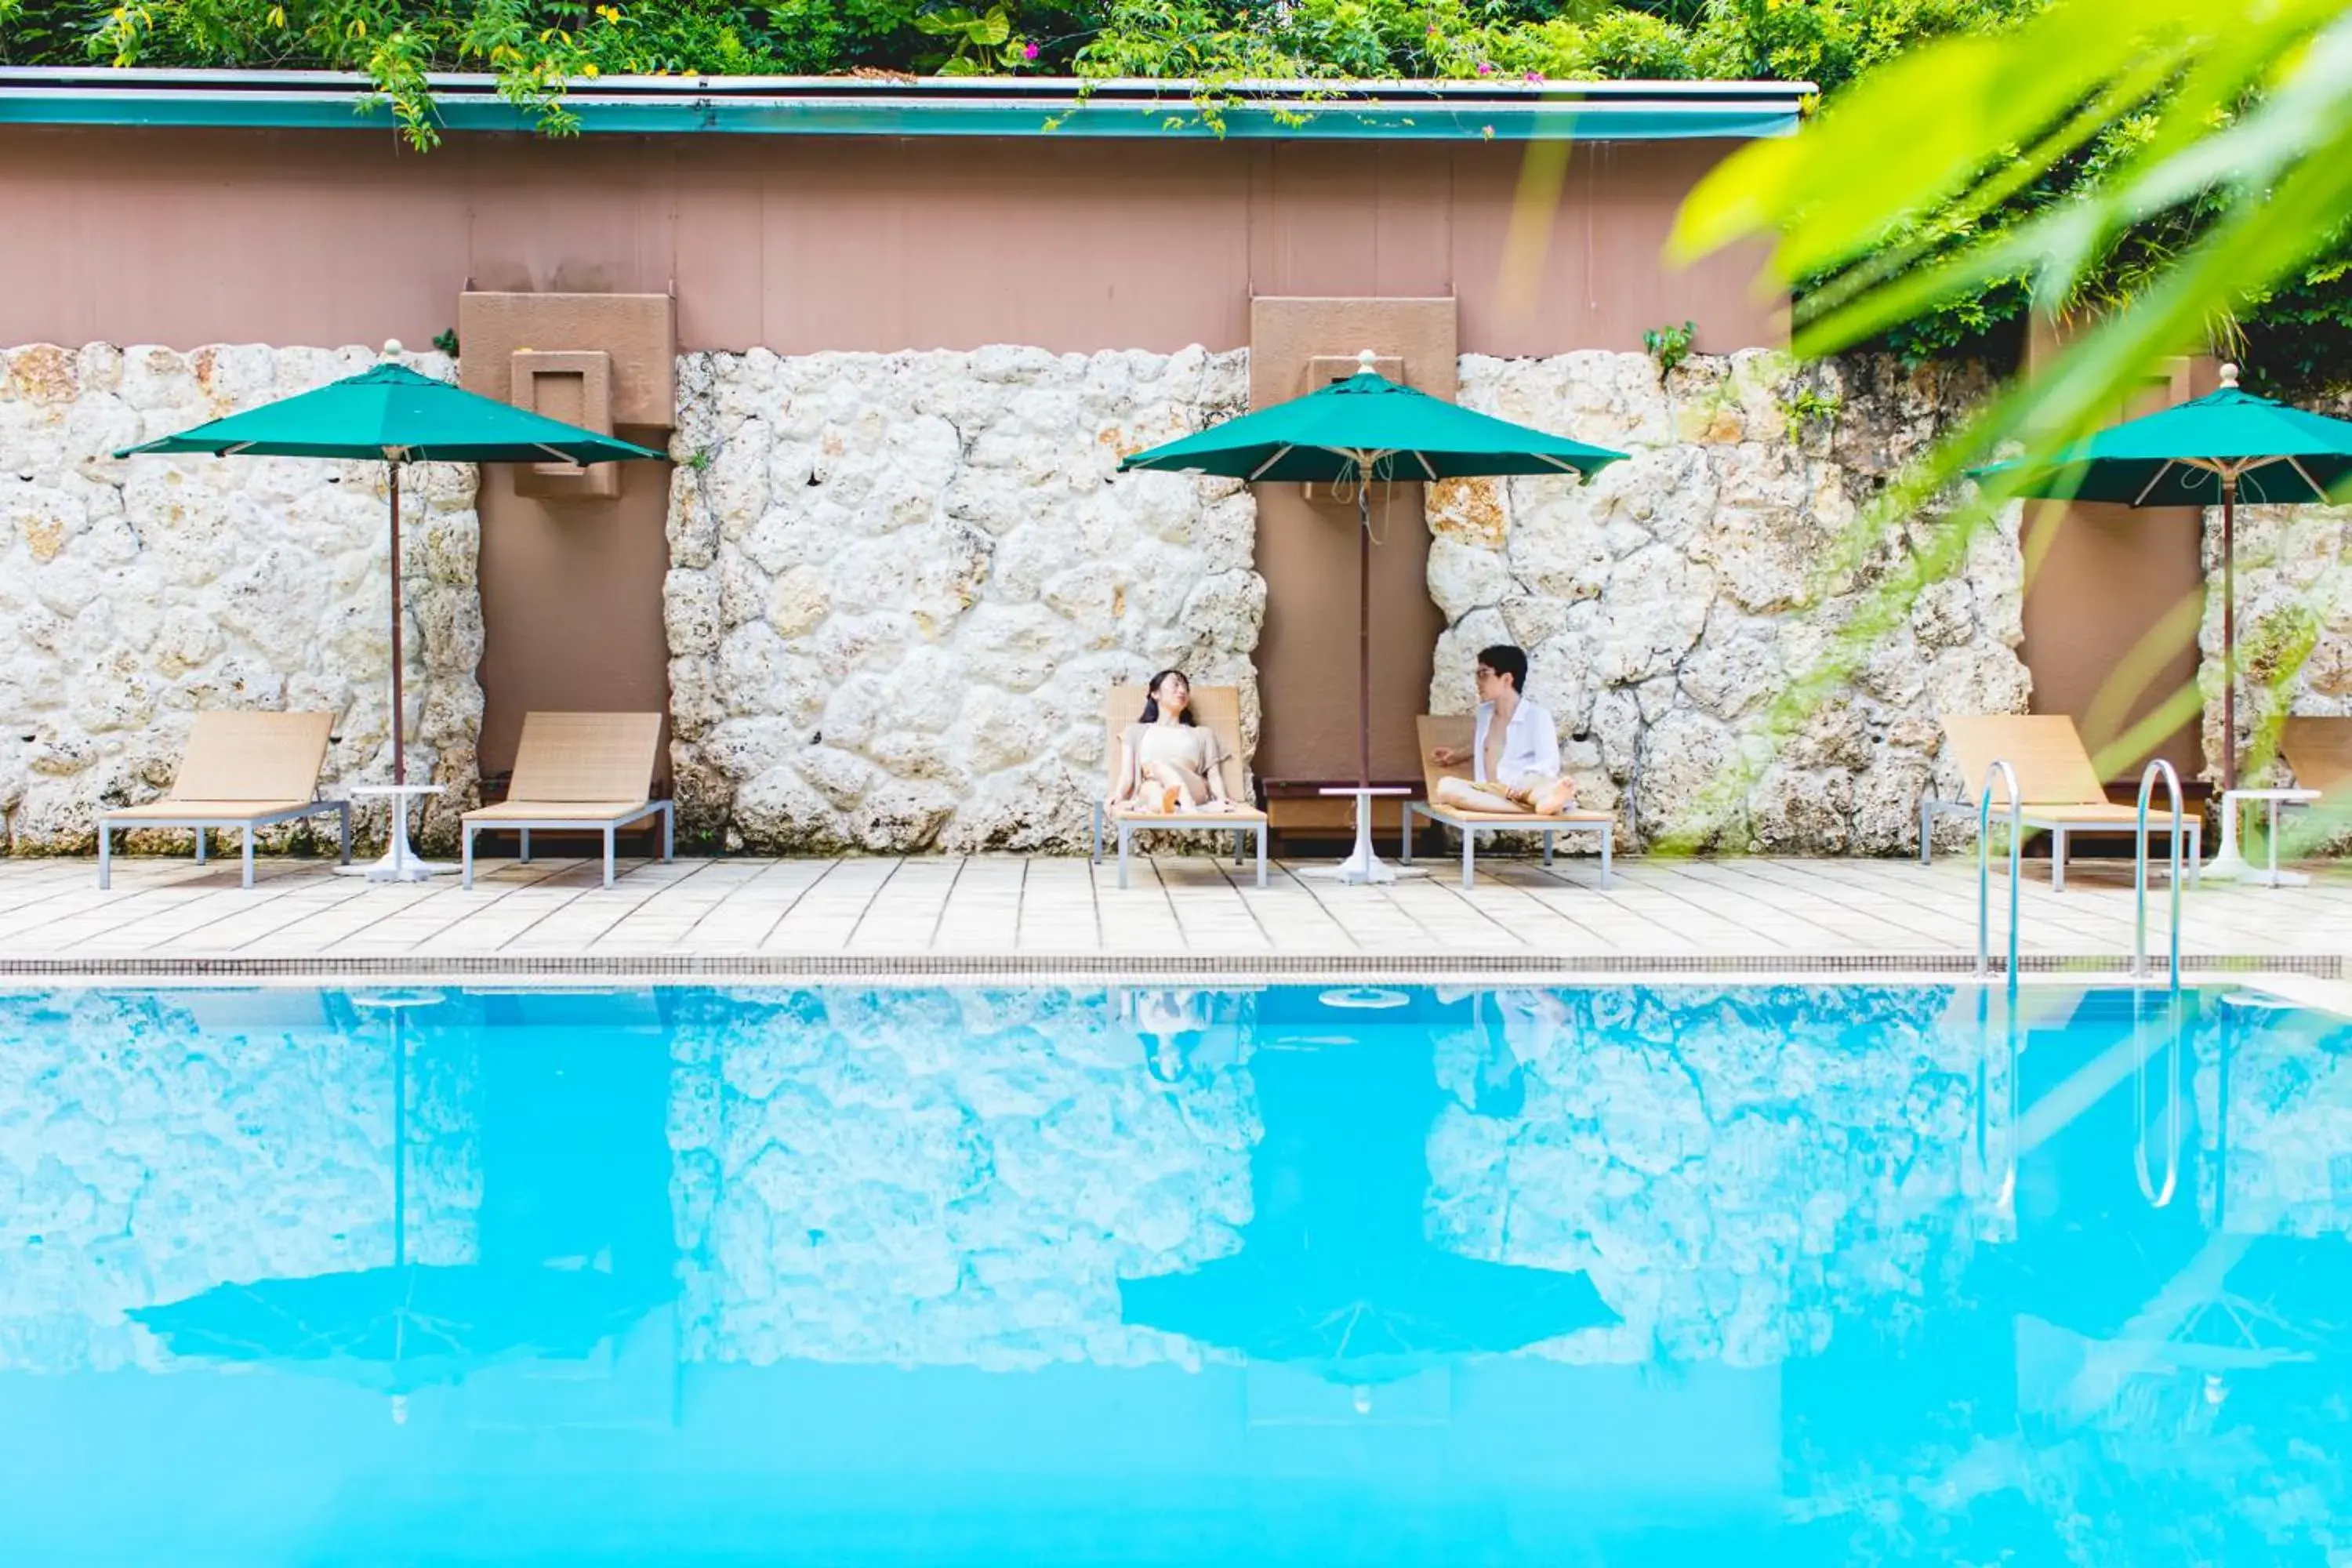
(1151,697)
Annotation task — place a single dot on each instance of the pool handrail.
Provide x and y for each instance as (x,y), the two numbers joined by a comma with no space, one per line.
(2156,768)
(1984,867)
(2140,1119)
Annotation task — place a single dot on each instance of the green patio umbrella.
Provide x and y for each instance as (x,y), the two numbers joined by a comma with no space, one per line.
(1336,1271)
(392,413)
(401,1327)
(1355,431)
(2218,449)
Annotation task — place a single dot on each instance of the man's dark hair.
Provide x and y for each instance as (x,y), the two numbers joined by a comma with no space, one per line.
(1504,658)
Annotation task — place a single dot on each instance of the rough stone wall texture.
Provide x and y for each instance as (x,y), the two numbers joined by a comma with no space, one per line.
(2294,624)
(1667,604)
(1732,1172)
(942,1177)
(135,593)
(154,1145)
(900,583)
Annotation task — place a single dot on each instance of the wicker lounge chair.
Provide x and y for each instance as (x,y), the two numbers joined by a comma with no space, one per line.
(1457,731)
(578,772)
(2320,753)
(241,770)
(1215,708)
(2062,792)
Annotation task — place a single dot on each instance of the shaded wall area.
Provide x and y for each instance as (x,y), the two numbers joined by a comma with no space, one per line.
(801,245)
(2113,602)
(571,605)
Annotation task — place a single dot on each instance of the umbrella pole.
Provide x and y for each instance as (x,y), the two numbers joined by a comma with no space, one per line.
(2229,633)
(399,760)
(399,1139)
(1364,630)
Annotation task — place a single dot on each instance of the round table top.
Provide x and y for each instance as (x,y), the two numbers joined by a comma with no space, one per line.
(397,789)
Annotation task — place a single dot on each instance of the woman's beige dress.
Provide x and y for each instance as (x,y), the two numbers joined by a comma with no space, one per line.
(1190,749)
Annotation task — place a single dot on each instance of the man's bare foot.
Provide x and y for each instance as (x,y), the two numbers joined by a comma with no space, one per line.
(1556,797)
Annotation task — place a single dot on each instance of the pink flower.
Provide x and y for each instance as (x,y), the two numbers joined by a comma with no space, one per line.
(1535,76)
(1028,51)
(1486,70)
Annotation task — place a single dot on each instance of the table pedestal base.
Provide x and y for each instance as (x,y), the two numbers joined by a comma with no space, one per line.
(393,867)
(2228,865)
(400,863)
(1361,866)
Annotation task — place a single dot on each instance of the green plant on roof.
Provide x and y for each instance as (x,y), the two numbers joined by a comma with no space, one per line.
(981,41)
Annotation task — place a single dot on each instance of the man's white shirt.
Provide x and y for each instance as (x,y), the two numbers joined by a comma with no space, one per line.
(1530,745)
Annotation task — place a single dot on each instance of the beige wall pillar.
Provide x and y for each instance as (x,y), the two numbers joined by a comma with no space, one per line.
(1306,552)
(2113,599)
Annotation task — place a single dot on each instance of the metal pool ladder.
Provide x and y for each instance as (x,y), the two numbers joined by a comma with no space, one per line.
(2158,768)
(1984,867)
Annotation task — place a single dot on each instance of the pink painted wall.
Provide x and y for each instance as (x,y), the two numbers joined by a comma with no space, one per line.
(802,243)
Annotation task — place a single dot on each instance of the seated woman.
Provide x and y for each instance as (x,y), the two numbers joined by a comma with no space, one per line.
(1168,764)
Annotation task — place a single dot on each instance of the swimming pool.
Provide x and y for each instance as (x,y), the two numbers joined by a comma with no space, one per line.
(1609,1274)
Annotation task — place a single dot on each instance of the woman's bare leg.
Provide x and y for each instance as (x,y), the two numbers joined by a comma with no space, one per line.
(1189,788)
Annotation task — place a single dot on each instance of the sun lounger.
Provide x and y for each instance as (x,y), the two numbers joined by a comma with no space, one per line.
(2320,753)
(1215,708)
(1457,731)
(578,772)
(2061,793)
(241,770)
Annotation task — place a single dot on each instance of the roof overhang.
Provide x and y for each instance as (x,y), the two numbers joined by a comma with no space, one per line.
(928,106)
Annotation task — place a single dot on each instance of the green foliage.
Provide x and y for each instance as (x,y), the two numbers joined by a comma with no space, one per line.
(1669,346)
(980,41)
(445,339)
(2295,333)
(1809,404)
(2208,146)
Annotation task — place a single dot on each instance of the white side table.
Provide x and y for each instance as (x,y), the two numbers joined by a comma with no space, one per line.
(2228,865)
(1363,866)
(400,863)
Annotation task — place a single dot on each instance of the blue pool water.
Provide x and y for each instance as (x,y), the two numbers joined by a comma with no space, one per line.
(1615,1275)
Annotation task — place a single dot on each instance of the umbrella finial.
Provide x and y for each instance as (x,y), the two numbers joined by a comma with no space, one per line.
(392,348)
(2230,376)
(1365,361)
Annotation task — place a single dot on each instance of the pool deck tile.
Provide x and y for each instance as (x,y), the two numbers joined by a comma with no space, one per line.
(1045,908)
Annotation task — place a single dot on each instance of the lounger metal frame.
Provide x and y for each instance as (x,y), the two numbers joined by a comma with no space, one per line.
(2059,831)
(1153,823)
(1470,828)
(109,826)
(608,826)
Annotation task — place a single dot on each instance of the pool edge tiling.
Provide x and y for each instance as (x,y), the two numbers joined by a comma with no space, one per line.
(1042,967)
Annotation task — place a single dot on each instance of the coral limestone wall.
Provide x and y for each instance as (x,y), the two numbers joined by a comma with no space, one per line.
(1669,601)
(901,584)
(135,591)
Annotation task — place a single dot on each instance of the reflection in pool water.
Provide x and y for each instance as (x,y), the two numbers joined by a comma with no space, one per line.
(1605,1275)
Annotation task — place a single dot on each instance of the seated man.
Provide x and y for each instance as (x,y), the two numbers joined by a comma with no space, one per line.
(1515,756)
